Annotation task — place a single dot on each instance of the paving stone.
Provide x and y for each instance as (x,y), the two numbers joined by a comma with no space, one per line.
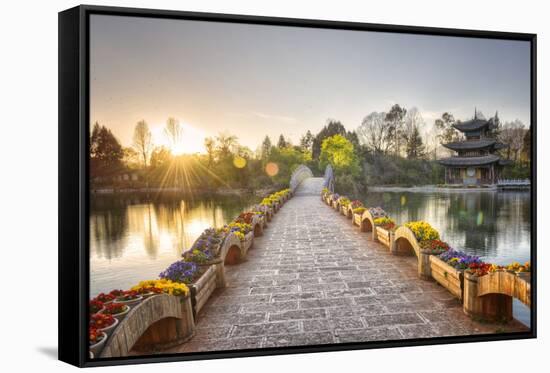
(370,334)
(313,313)
(333,324)
(266,329)
(300,339)
(324,303)
(393,319)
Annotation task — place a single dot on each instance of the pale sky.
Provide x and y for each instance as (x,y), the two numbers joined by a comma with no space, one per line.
(253,80)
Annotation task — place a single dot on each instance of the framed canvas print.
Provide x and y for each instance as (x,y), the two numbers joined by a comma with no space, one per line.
(234,186)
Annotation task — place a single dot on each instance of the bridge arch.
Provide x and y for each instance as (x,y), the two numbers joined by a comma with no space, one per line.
(232,250)
(406,242)
(367,223)
(158,322)
(299,174)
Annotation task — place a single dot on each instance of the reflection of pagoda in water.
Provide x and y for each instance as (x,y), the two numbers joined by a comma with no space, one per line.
(476,162)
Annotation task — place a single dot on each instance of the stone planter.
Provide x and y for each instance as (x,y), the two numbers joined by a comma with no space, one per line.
(344,210)
(157,323)
(450,278)
(202,288)
(385,237)
(357,219)
(247,242)
(96,348)
(484,303)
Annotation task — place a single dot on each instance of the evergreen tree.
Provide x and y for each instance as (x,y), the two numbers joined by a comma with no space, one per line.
(415,146)
(282,143)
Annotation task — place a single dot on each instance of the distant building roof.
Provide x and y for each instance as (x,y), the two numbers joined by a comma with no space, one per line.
(469,145)
(470,161)
(471,125)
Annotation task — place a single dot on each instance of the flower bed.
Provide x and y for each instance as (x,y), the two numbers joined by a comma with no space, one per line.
(201,280)
(117,310)
(103,322)
(423,231)
(385,223)
(385,228)
(343,203)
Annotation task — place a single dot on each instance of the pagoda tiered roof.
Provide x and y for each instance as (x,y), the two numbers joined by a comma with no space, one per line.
(470,144)
(470,161)
(475,124)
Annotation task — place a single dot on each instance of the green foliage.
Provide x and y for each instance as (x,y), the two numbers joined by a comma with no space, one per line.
(339,152)
(287,159)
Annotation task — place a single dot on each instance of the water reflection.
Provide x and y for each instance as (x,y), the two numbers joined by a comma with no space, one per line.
(493,225)
(136,237)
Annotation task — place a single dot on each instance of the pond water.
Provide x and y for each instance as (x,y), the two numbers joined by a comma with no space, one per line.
(493,225)
(135,237)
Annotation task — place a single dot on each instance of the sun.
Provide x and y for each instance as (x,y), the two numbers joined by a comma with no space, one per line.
(190,141)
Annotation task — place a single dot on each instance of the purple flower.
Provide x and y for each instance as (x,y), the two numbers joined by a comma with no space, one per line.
(180,271)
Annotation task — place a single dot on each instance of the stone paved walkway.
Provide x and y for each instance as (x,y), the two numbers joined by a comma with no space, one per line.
(314,278)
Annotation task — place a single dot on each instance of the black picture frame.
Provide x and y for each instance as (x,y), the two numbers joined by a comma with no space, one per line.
(74,194)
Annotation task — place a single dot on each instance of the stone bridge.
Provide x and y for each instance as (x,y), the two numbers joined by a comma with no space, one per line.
(313,278)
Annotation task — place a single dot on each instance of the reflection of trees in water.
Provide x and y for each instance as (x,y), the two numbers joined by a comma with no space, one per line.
(475,215)
(106,231)
(113,218)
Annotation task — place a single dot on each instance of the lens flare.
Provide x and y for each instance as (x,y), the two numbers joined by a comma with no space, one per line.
(271,169)
(479,220)
(239,162)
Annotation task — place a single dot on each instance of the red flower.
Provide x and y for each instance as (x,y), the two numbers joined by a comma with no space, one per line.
(128,295)
(115,308)
(479,269)
(95,306)
(105,298)
(95,335)
(101,320)
(116,292)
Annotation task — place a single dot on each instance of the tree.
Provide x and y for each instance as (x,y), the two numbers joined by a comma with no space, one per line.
(372,132)
(160,157)
(226,144)
(526,148)
(210,146)
(173,132)
(142,140)
(394,119)
(445,129)
(266,148)
(282,143)
(339,153)
(306,141)
(332,128)
(414,146)
(512,134)
(104,147)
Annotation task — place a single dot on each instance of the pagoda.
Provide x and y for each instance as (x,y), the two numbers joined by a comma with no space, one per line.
(475,162)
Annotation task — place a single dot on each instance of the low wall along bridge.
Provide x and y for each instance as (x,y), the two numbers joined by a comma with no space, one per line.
(312,276)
